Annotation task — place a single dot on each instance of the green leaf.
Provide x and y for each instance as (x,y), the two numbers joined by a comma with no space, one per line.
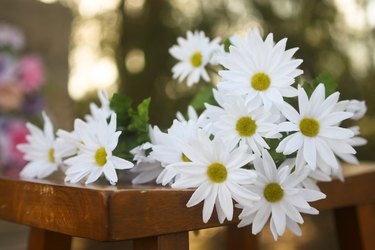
(139,118)
(132,123)
(205,95)
(121,104)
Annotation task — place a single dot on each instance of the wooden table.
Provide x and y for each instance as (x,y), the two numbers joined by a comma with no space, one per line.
(157,218)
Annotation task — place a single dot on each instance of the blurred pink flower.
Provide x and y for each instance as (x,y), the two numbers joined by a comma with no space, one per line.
(17,132)
(11,158)
(31,72)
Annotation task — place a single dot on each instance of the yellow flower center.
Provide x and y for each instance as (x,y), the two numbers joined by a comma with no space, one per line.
(217,172)
(309,127)
(273,192)
(196,59)
(101,156)
(185,158)
(51,155)
(246,126)
(260,81)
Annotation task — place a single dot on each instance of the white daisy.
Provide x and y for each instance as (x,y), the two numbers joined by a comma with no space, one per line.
(242,121)
(98,113)
(260,69)
(282,198)
(39,151)
(358,108)
(194,53)
(317,135)
(146,168)
(216,171)
(95,155)
(167,148)
(69,143)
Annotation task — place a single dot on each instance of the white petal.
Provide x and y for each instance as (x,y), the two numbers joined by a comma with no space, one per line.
(200,194)
(293,226)
(209,203)
(317,96)
(120,163)
(278,217)
(295,142)
(225,200)
(335,118)
(273,229)
(287,127)
(336,133)
(110,172)
(291,212)
(309,151)
(261,218)
(268,165)
(312,195)
(326,153)
(290,113)
(94,175)
(303,103)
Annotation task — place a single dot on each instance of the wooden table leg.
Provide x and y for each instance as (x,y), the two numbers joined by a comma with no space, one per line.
(366,218)
(355,227)
(174,241)
(40,239)
(240,238)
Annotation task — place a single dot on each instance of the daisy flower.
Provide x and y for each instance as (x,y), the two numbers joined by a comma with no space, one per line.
(98,113)
(242,121)
(194,53)
(167,148)
(260,69)
(358,108)
(39,151)
(95,155)
(216,171)
(147,169)
(316,134)
(282,198)
(69,143)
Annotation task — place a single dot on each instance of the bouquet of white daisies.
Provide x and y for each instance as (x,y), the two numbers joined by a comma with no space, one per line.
(261,144)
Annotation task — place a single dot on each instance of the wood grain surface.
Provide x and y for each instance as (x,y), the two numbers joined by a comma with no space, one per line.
(108,213)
